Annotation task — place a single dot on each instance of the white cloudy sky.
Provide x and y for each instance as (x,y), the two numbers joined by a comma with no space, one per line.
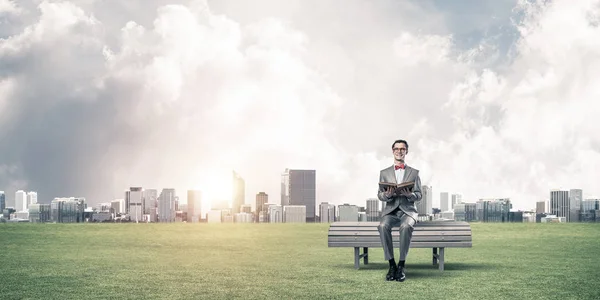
(496,98)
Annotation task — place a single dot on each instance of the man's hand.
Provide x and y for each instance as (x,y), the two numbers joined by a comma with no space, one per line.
(405,192)
(390,192)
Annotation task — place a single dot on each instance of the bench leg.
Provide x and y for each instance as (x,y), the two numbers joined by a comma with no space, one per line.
(442,259)
(435,256)
(356,257)
(366,255)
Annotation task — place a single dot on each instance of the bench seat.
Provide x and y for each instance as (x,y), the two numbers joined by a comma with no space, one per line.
(427,234)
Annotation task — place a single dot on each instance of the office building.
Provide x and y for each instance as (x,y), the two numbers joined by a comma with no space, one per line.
(117,207)
(327,212)
(246,208)
(275,213)
(348,213)
(32,198)
(424,206)
(540,207)
(588,210)
(444,205)
(20,201)
(102,216)
(166,206)
(194,205)
(262,198)
(103,206)
(465,212)
(362,216)
(2,201)
(264,214)
(493,210)
(575,198)
(373,213)
(294,214)
(67,210)
(560,204)
(298,187)
(243,217)
(150,200)
(515,216)
(133,198)
(39,213)
(239,192)
(456,198)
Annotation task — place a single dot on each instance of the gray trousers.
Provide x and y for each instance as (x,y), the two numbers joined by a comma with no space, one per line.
(407,223)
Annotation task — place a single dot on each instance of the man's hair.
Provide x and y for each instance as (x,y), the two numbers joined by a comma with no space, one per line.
(400,141)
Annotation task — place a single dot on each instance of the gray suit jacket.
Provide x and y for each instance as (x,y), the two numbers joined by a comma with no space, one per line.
(406,204)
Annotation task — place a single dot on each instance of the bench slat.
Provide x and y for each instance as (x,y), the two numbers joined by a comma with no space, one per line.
(462,238)
(419,224)
(397,233)
(412,245)
(396,228)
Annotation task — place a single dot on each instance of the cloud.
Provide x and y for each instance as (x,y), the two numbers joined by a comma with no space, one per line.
(96,99)
(526,128)
(427,49)
(8,7)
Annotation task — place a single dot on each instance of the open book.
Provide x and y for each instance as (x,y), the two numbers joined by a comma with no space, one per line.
(409,184)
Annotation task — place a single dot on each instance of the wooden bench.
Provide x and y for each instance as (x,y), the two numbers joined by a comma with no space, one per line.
(427,234)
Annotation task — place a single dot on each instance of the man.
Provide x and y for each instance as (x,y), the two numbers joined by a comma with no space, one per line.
(399,208)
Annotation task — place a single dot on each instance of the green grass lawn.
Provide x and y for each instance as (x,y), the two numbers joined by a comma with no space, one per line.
(287,261)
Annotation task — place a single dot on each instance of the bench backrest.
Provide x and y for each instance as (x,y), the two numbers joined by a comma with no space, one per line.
(427,234)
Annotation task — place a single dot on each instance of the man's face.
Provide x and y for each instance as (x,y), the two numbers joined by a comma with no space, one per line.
(399,151)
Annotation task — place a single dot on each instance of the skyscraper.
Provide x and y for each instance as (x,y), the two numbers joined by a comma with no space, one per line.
(444,201)
(31,198)
(261,199)
(166,206)
(2,201)
(150,200)
(20,201)
(456,198)
(372,210)
(424,206)
(575,198)
(194,207)
(559,203)
(298,187)
(134,198)
(239,192)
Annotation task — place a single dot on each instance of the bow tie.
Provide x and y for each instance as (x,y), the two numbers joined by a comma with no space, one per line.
(401,166)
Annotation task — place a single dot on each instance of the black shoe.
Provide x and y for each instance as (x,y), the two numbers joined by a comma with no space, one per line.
(391,275)
(400,276)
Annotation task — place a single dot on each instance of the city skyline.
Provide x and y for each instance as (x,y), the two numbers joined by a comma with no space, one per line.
(207,204)
(164,95)
(564,206)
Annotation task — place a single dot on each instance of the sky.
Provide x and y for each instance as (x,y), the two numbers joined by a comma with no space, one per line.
(497,99)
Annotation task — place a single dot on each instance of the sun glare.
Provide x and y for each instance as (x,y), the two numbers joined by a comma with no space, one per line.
(216,186)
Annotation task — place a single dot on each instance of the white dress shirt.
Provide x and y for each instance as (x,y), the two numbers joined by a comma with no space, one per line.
(399,175)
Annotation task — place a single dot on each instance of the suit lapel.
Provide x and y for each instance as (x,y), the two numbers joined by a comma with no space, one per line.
(407,172)
(391,174)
